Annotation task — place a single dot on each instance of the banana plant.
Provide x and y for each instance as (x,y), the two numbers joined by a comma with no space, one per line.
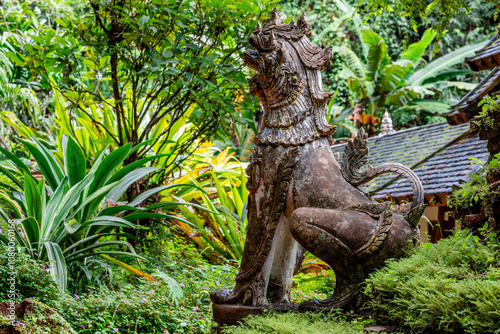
(72,214)
(379,83)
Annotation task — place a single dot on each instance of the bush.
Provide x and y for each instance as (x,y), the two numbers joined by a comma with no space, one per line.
(476,195)
(143,308)
(452,285)
(33,279)
(139,306)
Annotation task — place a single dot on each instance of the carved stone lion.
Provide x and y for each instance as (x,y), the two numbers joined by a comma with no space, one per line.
(300,197)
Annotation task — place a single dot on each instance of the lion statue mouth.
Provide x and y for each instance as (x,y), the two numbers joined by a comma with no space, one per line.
(251,59)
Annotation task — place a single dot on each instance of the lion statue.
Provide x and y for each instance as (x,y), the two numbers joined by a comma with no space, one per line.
(300,197)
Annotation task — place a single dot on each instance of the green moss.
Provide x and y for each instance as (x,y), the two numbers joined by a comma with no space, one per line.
(453,285)
(297,323)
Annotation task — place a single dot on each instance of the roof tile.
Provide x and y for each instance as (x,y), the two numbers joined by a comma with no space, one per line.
(438,153)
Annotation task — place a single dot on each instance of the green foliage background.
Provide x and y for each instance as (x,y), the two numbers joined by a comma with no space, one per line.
(59,79)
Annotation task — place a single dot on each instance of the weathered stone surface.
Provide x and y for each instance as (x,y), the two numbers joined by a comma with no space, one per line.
(230,315)
(33,317)
(300,197)
(476,220)
(377,329)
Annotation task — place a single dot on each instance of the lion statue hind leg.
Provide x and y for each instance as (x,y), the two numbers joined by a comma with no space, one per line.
(353,242)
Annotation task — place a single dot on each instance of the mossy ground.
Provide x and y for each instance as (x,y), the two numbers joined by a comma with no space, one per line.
(293,323)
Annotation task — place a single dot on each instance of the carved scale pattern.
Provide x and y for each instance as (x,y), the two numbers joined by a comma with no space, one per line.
(384,214)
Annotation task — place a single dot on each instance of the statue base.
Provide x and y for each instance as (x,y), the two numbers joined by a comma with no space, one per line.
(230,315)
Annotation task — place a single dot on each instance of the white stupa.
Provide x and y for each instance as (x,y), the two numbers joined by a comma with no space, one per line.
(386,126)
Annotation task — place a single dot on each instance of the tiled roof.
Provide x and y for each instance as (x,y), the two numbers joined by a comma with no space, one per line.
(437,153)
(487,57)
(467,107)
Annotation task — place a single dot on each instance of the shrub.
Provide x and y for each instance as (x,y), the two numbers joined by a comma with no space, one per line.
(149,307)
(476,195)
(452,285)
(72,215)
(33,279)
(142,308)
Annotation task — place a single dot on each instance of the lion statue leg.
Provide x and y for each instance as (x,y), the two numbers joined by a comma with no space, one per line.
(288,256)
(354,242)
(270,252)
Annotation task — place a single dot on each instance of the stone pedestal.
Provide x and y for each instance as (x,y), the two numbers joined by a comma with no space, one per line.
(230,315)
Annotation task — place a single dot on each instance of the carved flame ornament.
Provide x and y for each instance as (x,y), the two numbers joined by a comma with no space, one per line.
(356,156)
(300,198)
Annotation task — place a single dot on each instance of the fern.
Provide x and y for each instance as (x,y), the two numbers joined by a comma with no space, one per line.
(176,294)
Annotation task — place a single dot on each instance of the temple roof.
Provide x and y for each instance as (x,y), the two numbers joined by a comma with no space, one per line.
(467,107)
(488,57)
(438,153)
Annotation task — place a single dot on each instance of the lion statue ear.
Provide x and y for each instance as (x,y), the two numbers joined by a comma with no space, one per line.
(303,25)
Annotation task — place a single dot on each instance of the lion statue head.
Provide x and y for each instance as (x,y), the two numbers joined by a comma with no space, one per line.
(288,82)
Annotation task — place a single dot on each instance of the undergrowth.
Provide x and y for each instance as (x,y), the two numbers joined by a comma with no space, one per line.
(298,323)
(453,285)
(312,285)
(476,193)
(32,279)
